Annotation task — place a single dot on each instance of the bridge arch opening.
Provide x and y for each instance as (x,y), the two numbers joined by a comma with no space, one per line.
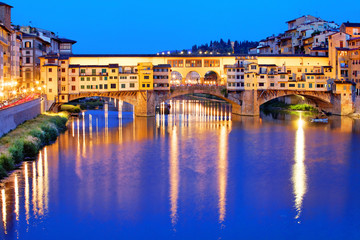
(212,78)
(176,78)
(93,102)
(193,77)
(299,101)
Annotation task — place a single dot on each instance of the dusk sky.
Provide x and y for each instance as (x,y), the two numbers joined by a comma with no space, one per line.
(115,26)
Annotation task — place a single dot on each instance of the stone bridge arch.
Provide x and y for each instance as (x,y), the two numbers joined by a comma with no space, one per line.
(143,101)
(217,91)
(322,100)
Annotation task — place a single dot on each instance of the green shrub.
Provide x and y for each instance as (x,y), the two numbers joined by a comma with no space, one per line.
(60,122)
(3,172)
(7,162)
(39,134)
(50,132)
(17,151)
(70,108)
(31,147)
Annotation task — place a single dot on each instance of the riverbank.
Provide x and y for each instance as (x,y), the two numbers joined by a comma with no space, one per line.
(277,106)
(25,141)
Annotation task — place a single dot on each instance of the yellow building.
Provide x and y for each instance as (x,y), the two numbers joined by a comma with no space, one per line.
(145,71)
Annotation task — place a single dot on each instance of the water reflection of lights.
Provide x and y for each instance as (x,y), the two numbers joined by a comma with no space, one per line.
(174,175)
(223,170)
(37,194)
(3,198)
(299,169)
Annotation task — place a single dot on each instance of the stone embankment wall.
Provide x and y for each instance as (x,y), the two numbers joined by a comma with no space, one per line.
(11,117)
(357,104)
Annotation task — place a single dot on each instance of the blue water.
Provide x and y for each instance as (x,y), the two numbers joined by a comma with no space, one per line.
(194,174)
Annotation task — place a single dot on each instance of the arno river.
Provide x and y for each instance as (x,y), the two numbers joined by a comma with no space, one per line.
(198,173)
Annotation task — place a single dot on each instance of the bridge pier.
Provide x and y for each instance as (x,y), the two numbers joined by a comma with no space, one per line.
(145,106)
(248,104)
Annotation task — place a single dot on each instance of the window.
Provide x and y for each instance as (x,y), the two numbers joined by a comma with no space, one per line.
(50,90)
(272,84)
(93,71)
(73,88)
(73,79)
(94,78)
(103,70)
(113,70)
(282,84)
(82,87)
(253,67)
(63,88)
(27,60)
(88,87)
(261,84)
(132,85)
(113,85)
(291,85)
(111,77)
(87,78)
(147,85)
(146,77)
(63,70)
(82,79)
(105,86)
(143,85)
(27,44)
(62,62)
(310,85)
(123,85)
(82,70)
(73,70)
(100,86)
(50,79)
(105,78)
(63,79)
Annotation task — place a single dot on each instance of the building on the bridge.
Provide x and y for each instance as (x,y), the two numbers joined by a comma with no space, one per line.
(62,78)
(279,72)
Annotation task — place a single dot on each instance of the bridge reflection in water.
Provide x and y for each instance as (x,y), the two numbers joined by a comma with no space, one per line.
(108,157)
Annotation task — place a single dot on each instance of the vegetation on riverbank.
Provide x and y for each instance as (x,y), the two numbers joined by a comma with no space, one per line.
(27,139)
(77,106)
(277,106)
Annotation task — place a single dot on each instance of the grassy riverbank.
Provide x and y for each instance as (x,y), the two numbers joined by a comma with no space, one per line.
(76,106)
(27,139)
(276,106)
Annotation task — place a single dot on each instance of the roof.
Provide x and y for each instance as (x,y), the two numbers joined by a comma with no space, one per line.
(5,28)
(319,49)
(314,74)
(351,39)
(113,65)
(349,24)
(267,65)
(4,4)
(65,40)
(342,49)
(162,66)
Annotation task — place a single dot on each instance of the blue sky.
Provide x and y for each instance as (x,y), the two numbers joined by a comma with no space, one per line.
(110,26)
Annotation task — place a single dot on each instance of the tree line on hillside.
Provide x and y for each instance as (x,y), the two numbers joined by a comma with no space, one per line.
(222,47)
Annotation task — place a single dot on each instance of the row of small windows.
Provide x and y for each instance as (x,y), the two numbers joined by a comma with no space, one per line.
(291,85)
(161,70)
(161,77)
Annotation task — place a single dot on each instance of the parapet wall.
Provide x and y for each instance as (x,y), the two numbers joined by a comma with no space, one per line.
(11,117)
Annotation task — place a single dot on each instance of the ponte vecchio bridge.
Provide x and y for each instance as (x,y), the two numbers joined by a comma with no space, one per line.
(245,82)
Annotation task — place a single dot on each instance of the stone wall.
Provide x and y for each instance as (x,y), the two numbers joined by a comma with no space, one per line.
(357,104)
(11,117)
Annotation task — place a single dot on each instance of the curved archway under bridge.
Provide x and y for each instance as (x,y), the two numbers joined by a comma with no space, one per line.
(245,102)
